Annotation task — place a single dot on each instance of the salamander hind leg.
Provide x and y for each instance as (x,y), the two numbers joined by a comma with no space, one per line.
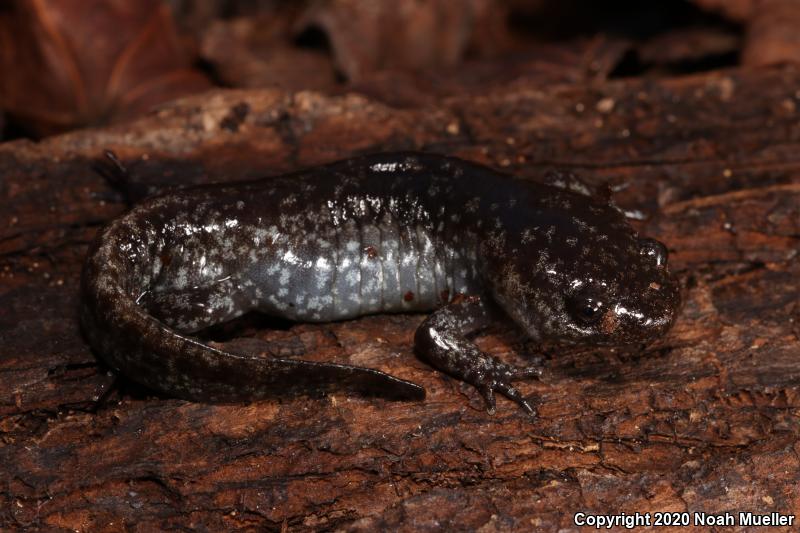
(442,341)
(190,310)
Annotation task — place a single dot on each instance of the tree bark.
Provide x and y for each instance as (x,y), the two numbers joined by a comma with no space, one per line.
(705,419)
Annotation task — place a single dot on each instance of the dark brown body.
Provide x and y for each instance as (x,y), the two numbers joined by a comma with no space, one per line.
(384,233)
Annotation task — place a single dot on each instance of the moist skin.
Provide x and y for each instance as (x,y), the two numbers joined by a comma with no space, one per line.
(385,233)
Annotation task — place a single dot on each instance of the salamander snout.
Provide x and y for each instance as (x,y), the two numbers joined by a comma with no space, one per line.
(646,302)
(646,316)
(613,318)
(638,307)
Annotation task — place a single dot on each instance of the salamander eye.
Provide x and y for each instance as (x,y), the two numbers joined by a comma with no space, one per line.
(655,250)
(585,309)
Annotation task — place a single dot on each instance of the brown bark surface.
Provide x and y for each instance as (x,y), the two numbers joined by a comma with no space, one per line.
(706,419)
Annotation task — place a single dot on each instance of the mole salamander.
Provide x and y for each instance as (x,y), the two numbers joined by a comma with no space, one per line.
(385,233)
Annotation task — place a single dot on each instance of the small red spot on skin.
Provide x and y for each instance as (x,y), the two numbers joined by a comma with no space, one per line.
(609,322)
(408,296)
(372,253)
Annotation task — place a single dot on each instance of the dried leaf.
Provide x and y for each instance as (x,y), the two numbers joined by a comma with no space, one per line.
(772,35)
(71,63)
(367,36)
(259,52)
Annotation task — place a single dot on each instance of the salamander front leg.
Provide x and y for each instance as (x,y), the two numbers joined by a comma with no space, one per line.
(442,341)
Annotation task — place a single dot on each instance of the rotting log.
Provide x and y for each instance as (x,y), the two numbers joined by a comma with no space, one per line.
(705,419)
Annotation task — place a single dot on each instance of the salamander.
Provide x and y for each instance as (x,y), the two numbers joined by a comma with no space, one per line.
(384,233)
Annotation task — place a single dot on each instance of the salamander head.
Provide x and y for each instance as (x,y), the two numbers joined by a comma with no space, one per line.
(586,277)
(636,304)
